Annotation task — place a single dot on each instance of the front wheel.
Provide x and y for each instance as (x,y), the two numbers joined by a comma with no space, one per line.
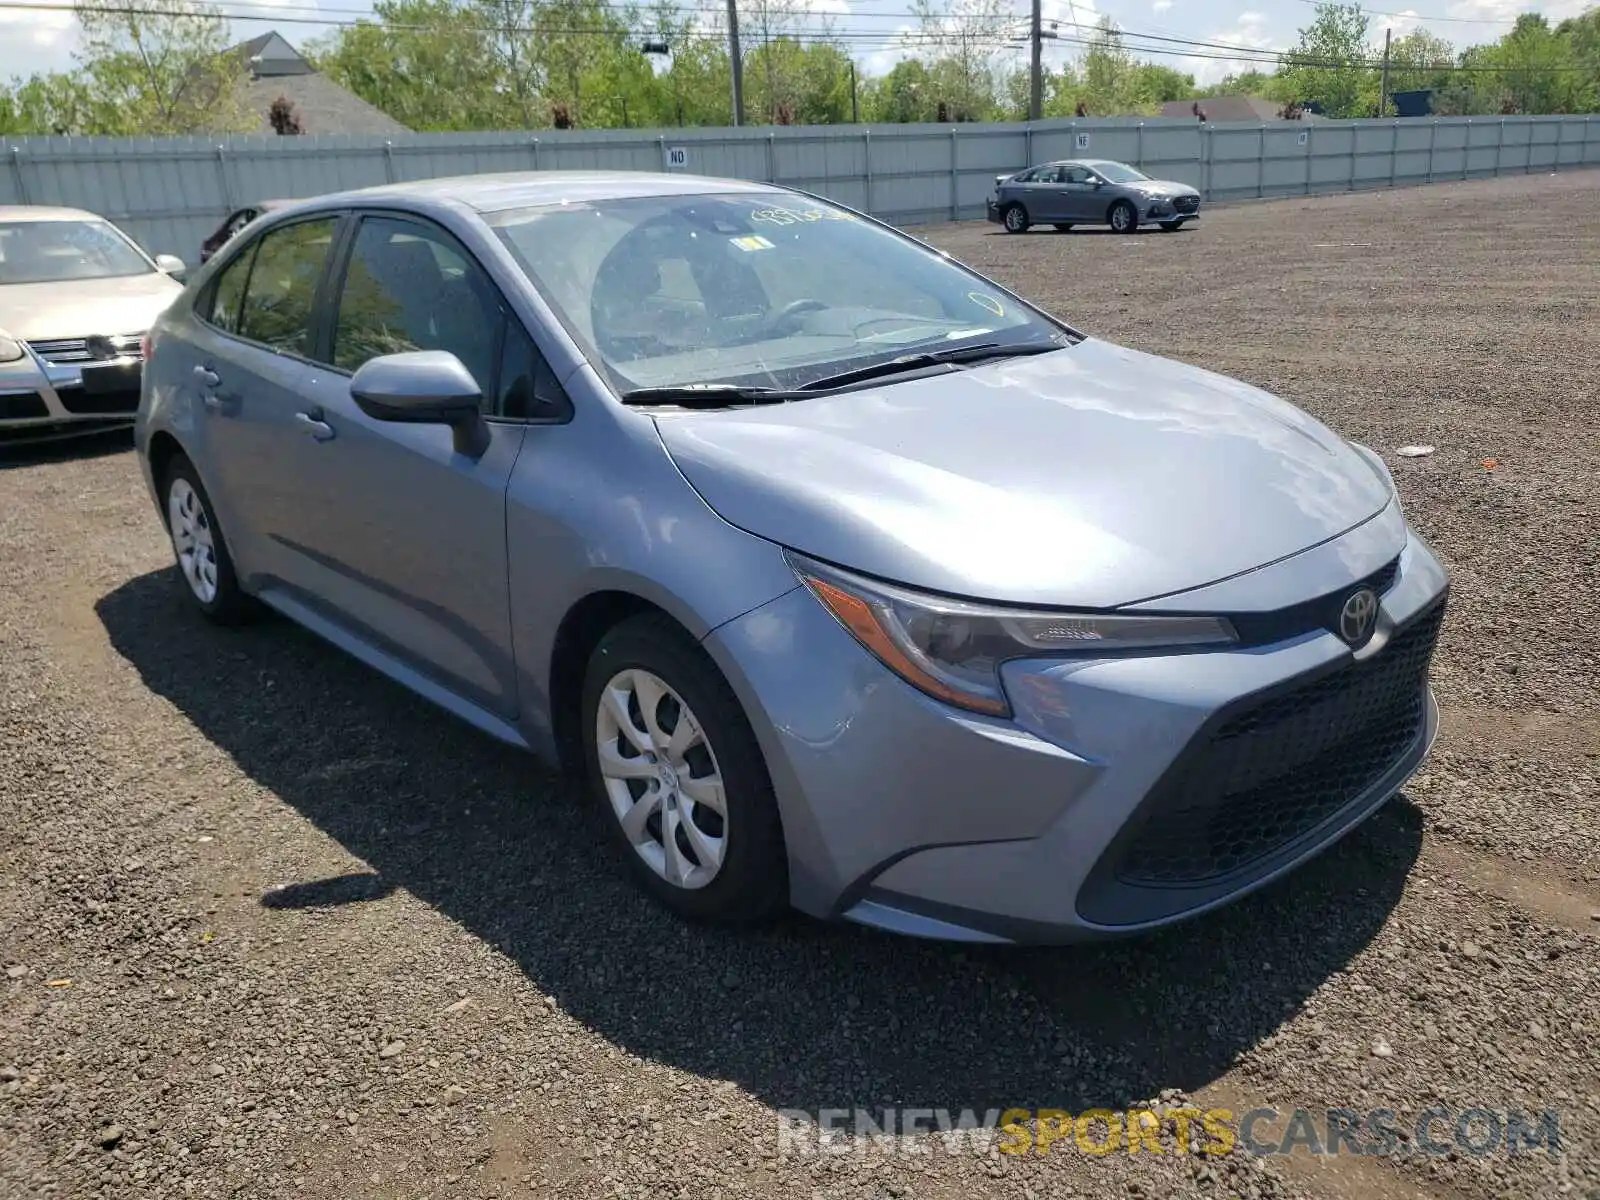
(1171,226)
(1016,219)
(1122,217)
(679,777)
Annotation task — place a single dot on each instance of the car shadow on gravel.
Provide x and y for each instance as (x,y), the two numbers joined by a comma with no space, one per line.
(804,1015)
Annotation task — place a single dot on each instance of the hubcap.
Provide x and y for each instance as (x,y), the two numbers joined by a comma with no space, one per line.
(1119,219)
(192,540)
(662,778)
(1014,219)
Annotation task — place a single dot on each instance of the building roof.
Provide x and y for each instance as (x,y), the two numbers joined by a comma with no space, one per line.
(322,105)
(1226,108)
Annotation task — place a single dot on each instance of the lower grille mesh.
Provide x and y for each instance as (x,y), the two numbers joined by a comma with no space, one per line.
(1282,767)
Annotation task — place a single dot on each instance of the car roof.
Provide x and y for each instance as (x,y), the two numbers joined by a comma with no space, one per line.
(45,212)
(528,189)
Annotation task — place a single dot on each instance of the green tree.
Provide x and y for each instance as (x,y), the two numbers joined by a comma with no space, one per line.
(960,41)
(1328,65)
(903,96)
(160,68)
(420,63)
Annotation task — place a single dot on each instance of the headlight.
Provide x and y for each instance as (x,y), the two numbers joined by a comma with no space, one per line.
(952,649)
(10,349)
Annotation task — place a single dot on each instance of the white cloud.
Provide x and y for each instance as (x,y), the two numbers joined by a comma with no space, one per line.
(1248,33)
(36,39)
(1161,6)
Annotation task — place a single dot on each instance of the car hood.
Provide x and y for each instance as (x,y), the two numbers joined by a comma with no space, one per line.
(1096,476)
(78,308)
(1164,187)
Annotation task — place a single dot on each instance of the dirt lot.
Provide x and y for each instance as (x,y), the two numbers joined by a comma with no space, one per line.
(271,927)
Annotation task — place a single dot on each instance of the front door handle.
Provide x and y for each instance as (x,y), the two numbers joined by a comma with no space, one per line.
(319,430)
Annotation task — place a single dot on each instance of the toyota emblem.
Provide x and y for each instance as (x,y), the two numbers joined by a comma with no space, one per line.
(1358,616)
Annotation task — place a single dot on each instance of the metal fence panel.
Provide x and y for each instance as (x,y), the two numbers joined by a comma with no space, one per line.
(171,192)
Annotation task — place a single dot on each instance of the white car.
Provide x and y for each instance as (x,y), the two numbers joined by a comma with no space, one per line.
(76,298)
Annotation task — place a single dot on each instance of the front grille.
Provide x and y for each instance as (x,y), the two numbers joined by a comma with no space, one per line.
(73,351)
(19,408)
(1187,204)
(1282,766)
(1265,629)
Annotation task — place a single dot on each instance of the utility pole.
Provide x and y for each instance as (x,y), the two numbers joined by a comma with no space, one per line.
(855,115)
(1036,75)
(1383,86)
(737,62)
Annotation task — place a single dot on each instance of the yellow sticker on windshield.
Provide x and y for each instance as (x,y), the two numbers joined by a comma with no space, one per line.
(751,243)
(988,302)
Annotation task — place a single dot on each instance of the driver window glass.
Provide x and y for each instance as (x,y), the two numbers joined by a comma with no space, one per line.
(409,287)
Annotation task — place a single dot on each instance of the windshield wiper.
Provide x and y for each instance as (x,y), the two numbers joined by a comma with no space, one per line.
(930,358)
(704,395)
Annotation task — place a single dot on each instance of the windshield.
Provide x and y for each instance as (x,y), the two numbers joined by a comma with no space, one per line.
(1118,173)
(53,251)
(751,290)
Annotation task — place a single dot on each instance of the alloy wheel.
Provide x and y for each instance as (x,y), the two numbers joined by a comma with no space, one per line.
(662,779)
(192,539)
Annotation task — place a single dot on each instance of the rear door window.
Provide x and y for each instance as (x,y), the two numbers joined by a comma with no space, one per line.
(282,290)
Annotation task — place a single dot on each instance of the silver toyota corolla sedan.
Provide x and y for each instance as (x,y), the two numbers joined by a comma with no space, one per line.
(848,579)
(1091,192)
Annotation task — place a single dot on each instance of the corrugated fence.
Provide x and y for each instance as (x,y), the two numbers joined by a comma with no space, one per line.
(171,192)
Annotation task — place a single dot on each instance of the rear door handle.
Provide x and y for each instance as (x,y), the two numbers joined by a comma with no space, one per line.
(319,430)
(207,380)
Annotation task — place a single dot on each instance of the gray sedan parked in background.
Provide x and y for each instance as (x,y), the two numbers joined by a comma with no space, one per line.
(1090,192)
(846,578)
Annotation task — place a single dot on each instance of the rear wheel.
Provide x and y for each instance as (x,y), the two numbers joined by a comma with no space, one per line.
(200,548)
(679,777)
(1015,219)
(1122,217)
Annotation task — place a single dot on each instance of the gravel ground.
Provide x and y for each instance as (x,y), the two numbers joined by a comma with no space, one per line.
(271,927)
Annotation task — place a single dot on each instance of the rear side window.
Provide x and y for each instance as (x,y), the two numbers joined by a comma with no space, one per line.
(276,310)
(227,293)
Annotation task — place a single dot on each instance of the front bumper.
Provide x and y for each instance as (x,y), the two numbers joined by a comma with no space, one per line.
(908,815)
(42,400)
(1169,208)
(992,211)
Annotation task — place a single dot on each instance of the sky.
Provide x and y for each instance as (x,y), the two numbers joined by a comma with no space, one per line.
(44,40)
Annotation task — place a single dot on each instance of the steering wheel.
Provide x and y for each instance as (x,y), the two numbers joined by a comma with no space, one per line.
(793,309)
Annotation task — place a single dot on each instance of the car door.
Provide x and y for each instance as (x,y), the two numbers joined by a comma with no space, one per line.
(1051,205)
(246,362)
(400,538)
(1079,197)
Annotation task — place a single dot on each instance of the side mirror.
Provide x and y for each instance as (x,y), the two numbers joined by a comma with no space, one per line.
(171,264)
(424,387)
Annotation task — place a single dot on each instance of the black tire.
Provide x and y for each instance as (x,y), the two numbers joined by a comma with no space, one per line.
(1062,228)
(229,605)
(1124,212)
(752,883)
(1171,226)
(1015,219)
